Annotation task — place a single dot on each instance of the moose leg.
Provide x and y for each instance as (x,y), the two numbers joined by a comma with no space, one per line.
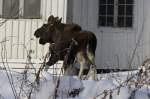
(71,70)
(68,66)
(92,70)
(80,58)
(53,57)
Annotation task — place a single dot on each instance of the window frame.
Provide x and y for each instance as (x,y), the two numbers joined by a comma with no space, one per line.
(115,15)
(137,14)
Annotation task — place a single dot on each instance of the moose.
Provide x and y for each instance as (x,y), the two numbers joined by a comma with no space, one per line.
(81,44)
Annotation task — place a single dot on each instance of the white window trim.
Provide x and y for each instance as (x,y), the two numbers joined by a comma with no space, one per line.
(115,12)
(137,16)
(21,7)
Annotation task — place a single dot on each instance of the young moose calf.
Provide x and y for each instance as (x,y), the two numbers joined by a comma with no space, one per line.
(62,35)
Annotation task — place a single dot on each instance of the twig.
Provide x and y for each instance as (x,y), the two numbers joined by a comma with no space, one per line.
(9,75)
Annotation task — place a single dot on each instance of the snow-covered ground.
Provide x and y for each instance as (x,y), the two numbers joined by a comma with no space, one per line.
(121,85)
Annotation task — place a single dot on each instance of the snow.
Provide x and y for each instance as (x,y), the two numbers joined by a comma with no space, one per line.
(70,87)
(22,85)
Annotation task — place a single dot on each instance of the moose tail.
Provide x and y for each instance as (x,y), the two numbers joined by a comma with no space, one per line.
(92,43)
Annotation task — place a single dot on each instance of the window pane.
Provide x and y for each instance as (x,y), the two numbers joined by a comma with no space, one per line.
(102,10)
(129,9)
(110,21)
(102,1)
(129,1)
(121,9)
(32,8)
(10,9)
(121,21)
(128,21)
(102,21)
(121,1)
(110,1)
(110,10)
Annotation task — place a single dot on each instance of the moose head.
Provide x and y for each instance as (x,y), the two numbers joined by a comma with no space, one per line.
(46,31)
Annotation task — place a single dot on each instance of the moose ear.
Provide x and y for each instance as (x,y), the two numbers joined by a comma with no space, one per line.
(60,20)
(50,19)
(56,18)
(51,16)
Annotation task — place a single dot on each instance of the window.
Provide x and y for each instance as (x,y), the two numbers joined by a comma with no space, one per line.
(116,13)
(20,9)
(10,9)
(31,9)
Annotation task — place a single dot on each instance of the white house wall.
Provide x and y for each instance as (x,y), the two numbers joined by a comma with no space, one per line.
(116,46)
(18,33)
